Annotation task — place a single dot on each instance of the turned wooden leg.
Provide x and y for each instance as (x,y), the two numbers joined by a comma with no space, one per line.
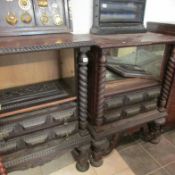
(81,155)
(99,149)
(152,132)
(2,169)
(158,124)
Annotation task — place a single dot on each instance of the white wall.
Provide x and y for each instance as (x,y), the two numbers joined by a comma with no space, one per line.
(156,10)
(82,11)
(160,11)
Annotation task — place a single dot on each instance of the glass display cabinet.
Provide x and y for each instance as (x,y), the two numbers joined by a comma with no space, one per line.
(136,70)
(130,80)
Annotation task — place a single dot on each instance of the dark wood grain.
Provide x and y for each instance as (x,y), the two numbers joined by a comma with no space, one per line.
(126,40)
(61,41)
(121,86)
(166,28)
(43,42)
(118,126)
(36,107)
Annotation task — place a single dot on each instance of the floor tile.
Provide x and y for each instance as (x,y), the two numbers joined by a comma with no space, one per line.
(31,171)
(71,170)
(61,162)
(112,164)
(164,152)
(138,160)
(125,172)
(171,168)
(159,172)
(126,145)
(170,136)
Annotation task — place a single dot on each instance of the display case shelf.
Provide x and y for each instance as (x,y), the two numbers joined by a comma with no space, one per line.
(30,95)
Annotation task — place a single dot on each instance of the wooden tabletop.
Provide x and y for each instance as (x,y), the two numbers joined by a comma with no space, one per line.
(125,40)
(43,42)
(61,41)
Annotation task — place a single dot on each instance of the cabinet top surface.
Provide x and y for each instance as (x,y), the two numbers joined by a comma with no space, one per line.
(125,40)
(43,42)
(61,41)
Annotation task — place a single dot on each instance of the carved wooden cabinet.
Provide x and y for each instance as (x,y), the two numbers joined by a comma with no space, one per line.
(42,116)
(82,101)
(123,100)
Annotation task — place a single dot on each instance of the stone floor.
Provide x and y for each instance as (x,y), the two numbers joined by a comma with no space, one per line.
(113,165)
(133,158)
(149,159)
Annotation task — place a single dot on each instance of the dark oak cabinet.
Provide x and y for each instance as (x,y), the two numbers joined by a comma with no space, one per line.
(123,98)
(83,101)
(43,100)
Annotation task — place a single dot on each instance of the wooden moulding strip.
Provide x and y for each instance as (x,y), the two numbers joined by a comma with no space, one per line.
(124,124)
(36,107)
(131,84)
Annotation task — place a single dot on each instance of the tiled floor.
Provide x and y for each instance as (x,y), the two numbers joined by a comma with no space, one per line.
(113,165)
(149,159)
(135,158)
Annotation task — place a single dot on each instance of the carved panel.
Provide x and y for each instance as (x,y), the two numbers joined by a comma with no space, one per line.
(38,137)
(20,97)
(35,156)
(36,120)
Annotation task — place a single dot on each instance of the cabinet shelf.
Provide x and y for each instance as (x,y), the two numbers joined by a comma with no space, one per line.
(36,96)
(116,84)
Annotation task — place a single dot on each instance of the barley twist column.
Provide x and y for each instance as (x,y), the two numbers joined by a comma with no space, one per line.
(101,77)
(83,88)
(168,79)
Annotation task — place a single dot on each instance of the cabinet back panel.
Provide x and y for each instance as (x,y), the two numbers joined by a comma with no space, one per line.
(22,69)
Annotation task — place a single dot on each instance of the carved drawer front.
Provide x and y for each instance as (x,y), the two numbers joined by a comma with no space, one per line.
(39,137)
(131,98)
(30,122)
(134,98)
(153,93)
(148,106)
(114,102)
(113,115)
(131,111)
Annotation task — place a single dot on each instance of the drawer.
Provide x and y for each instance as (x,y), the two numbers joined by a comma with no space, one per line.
(39,137)
(148,106)
(113,115)
(133,98)
(153,93)
(36,121)
(8,147)
(131,111)
(113,103)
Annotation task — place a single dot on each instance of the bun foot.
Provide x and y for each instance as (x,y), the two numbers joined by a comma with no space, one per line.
(96,163)
(82,167)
